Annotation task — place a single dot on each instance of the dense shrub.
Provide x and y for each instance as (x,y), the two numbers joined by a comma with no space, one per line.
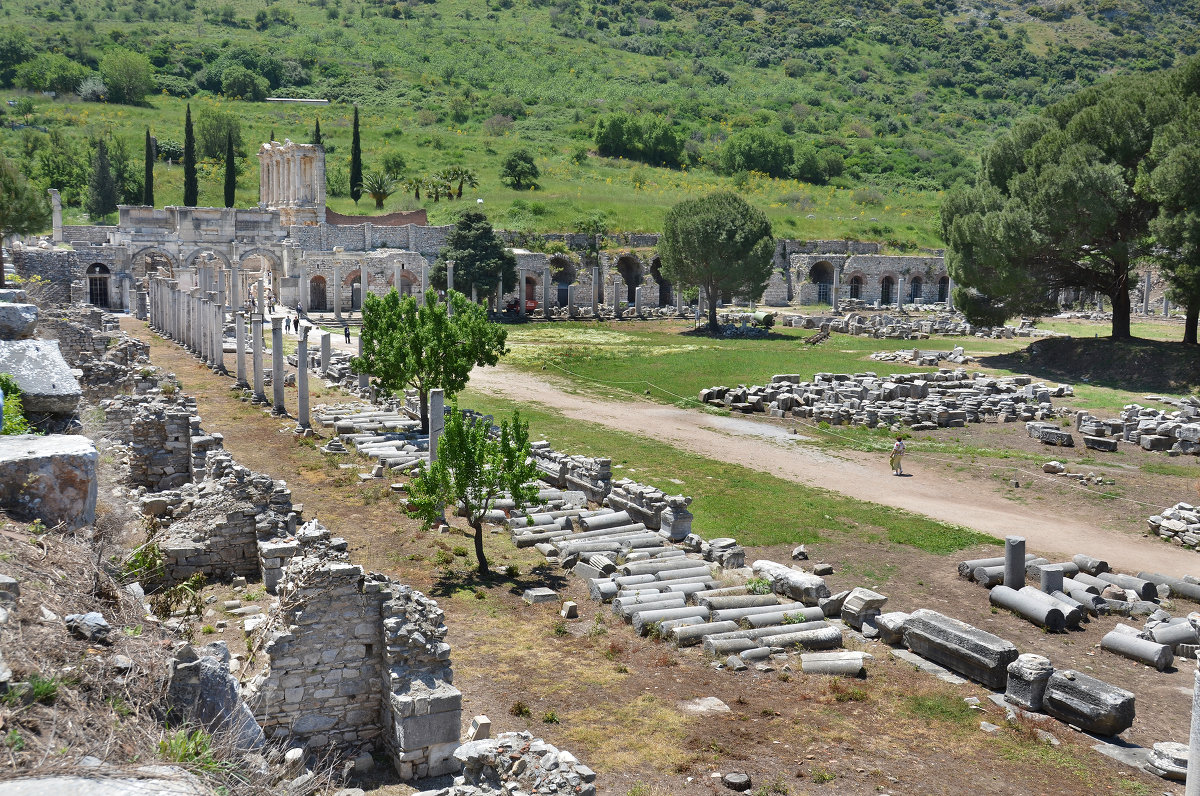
(763,151)
(649,139)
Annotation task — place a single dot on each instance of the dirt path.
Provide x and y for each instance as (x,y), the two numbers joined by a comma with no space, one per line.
(767,448)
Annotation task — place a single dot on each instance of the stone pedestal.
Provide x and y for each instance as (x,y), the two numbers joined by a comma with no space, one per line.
(637,301)
(616,297)
(326,352)
(571,301)
(1027,679)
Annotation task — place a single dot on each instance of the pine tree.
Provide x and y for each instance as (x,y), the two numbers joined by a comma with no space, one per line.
(102,187)
(230,171)
(191,186)
(356,176)
(148,180)
(317,134)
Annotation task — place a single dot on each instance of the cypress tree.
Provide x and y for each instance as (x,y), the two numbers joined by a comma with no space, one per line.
(355,162)
(148,181)
(191,186)
(317,134)
(102,187)
(230,171)
(272,138)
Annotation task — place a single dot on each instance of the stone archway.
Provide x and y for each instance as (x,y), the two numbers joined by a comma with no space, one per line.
(916,289)
(887,290)
(665,299)
(98,278)
(630,269)
(856,287)
(317,301)
(943,289)
(821,275)
(563,273)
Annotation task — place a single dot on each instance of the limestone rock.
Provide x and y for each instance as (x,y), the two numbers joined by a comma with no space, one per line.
(51,478)
(17,321)
(91,627)
(1089,703)
(46,382)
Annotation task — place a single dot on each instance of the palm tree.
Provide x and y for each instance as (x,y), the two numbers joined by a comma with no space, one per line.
(414,184)
(379,187)
(438,186)
(462,176)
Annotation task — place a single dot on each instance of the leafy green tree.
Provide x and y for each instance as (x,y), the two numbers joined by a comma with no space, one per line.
(720,244)
(126,173)
(394,165)
(127,77)
(379,186)
(816,166)
(15,49)
(25,108)
(649,139)
(191,185)
(63,164)
(230,172)
(1170,176)
(519,171)
(23,210)
(406,343)
(51,72)
(757,150)
(356,175)
(148,172)
(473,469)
(102,187)
(212,128)
(238,82)
(1054,204)
(479,257)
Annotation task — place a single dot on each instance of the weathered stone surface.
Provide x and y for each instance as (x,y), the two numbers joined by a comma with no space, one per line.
(46,382)
(178,783)
(965,649)
(91,627)
(17,321)
(793,583)
(203,691)
(1027,678)
(51,478)
(1088,703)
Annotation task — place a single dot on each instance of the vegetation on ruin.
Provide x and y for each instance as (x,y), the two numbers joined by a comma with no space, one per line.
(864,114)
(406,343)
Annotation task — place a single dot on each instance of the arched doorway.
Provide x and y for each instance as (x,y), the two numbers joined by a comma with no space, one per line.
(630,270)
(356,291)
(664,285)
(856,286)
(316,295)
(887,288)
(98,277)
(821,275)
(562,271)
(407,286)
(916,290)
(943,288)
(531,286)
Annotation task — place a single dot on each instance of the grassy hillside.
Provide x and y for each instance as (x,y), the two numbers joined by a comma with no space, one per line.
(903,94)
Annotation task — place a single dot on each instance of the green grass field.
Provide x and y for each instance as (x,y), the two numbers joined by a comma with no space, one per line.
(729,500)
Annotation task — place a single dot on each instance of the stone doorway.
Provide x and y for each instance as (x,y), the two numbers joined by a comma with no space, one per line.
(316,295)
(98,277)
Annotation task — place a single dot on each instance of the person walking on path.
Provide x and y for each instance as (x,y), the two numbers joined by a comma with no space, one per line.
(897,456)
(287,324)
(346,329)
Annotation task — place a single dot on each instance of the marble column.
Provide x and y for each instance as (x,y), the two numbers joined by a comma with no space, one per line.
(277,367)
(397,279)
(899,294)
(205,337)
(363,382)
(1192,785)
(835,291)
(256,333)
(219,338)
(1146,295)
(597,288)
(1166,307)
(125,295)
(571,302)
(337,293)
(437,421)
(678,299)
(239,330)
(235,288)
(326,352)
(637,301)
(950,294)
(424,281)
(303,423)
(616,296)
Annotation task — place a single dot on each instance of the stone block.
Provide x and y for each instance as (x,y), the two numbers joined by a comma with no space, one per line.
(1052,436)
(1027,678)
(965,649)
(17,321)
(1105,444)
(418,732)
(1090,704)
(45,379)
(539,595)
(51,478)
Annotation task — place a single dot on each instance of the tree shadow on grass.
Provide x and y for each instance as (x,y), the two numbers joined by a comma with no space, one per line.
(449,581)
(703,331)
(1146,366)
